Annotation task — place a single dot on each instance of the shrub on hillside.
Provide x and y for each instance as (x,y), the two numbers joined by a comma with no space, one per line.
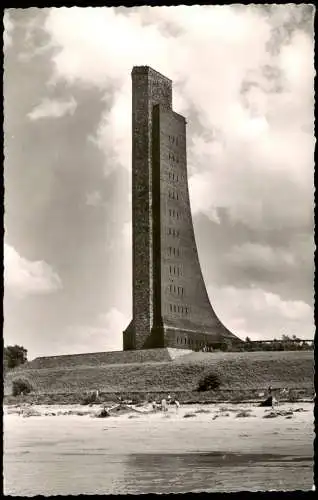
(14,355)
(209,382)
(293,396)
(20,386)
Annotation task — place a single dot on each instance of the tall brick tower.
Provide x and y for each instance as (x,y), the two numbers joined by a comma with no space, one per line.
(171,307)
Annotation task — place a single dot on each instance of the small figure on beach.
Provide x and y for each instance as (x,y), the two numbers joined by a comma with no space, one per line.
(169,399)
(154,405)
(270,400)
(177,405)
(271,395)
(164,406)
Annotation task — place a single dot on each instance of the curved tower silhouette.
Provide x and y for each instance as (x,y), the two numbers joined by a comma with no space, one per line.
(171,307)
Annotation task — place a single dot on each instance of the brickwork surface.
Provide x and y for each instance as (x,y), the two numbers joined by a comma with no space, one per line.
(171,307)
(149,88)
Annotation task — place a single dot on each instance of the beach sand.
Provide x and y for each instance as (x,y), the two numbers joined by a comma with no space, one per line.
(122,454)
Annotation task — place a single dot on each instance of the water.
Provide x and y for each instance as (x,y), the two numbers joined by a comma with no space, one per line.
(155,454)
(94,472)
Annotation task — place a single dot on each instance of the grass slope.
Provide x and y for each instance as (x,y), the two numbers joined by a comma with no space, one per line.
(238,371)
(108,358)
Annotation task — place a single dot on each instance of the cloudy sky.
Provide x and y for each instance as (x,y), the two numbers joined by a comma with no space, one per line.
(243,77)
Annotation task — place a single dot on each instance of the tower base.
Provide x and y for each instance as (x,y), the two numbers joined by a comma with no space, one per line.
(169,336)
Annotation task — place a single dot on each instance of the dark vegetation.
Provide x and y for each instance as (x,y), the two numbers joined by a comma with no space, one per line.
(20,386)
(286,343)
(209,382)
(13,356)
(293,396)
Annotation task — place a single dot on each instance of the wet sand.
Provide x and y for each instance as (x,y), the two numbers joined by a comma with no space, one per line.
(152,452)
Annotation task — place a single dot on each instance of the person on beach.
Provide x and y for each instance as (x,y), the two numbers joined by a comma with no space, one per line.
(270,400)
(154,406)
(271,395)
(169,399)
(164,406)
(177,405)
(284,391)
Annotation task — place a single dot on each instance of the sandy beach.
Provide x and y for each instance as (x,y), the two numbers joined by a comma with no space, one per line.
(243,447)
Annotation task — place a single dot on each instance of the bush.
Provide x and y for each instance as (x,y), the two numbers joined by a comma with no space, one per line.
(293,396)
(20,386)
(209,382)
(14,355)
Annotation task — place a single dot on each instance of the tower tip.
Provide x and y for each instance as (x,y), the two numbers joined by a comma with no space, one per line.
(147,70)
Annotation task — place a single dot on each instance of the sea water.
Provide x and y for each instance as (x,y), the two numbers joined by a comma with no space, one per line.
(42,473)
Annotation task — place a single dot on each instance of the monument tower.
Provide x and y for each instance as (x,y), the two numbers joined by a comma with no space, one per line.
(171,307)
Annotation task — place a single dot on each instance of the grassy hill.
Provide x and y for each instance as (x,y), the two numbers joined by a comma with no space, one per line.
(241,373)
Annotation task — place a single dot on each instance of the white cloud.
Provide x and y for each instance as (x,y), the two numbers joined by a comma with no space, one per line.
(94,199)
(255,255)
(258,314)
(250,122)
(226,79)
(23,277)
(8,28)
(114,130)
(127,234)
(50,108)
(104,334)
(112,324)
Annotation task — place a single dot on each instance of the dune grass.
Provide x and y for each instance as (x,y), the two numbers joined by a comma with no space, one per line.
(238,372)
